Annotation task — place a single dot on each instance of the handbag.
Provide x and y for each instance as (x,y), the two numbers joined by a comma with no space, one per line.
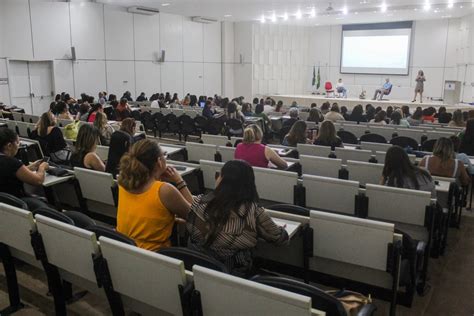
(71,130)
(352,301)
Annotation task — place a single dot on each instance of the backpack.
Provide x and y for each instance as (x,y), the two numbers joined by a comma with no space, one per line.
(71,130)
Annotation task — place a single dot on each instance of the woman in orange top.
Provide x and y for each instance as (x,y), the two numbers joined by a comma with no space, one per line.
(148,207)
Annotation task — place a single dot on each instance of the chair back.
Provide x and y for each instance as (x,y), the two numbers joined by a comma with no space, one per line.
(320,166)
(373,138)
(160,276)
(209,169)
(365,172)
(313,150)
(15,228)
(330,194)
(13,201)
(95,185)
(328,86)
(386,132)
(351,240)
(192,257)
(197,151)
(357,130)
(23,129)
(17,116)
(437,134)
(217,140)
(290,208)
(100,230)
(353,154)
(428,145)
(102,152)
(404,142)
(283,192)
(347,137)
(247,297)
(227,153)
(410,133)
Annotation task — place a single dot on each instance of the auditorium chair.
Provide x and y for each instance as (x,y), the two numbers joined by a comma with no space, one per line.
(290,208)
(217,293)
(320,166)
(329,89)
(215,126)
(187,126)
(428,145)
(217,140)
(201,124)
(373,138)
(147,119)
(13,201)
(365,172)
(196,151)
(226,153)
(313,150)
(347,137)
(210,170)
(101,230)
(320,300)
(353,154)
(192,257)
(285,192)
(404,142)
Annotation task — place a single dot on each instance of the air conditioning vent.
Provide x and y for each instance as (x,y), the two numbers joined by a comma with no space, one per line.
(143,10)
(201,19)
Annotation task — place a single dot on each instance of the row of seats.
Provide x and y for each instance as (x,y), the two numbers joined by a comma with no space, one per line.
(161,284)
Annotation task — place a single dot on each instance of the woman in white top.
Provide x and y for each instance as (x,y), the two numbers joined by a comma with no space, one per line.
(340,88)
(379,118)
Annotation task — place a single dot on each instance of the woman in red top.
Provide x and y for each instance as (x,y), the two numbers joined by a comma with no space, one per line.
(97,107)
(429,115)
(254,152)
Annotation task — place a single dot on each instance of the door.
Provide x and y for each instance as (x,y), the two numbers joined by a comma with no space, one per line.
(32,85)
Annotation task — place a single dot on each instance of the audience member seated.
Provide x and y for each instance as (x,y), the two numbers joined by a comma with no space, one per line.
(268,106)
(457,119)
(83,113)
(334,115)
(297,135)
(105,129)
(325,108)
(344,113)
(315,115)
(369,112)
(84,155)
(461,156)
(259,113)
(443,164)
(287,124)
(416,118)
(357,114)
(254,152)
(279,106)
(247,109)
(467,139)
(13,173)
(380,118)
(443,116)
(384,90)
(327,135)
(142,97)
(406,111)
(62,111)
(428,115)
(123,110)
(148,206)
(208,111)
(120,142)
(127,95)
(397,119)
(227,223)
(51,138)
(389,113)
(97,107)
(399,172)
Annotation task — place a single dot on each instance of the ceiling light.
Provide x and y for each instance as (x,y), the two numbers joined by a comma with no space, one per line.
(298,14)
(344,10)
(262,19)
(427,6)
(460,7)
(274,18)
(227,15)
(285,17)
(356,13)
(383,8)
(313,13)
(450,4)
(165,4)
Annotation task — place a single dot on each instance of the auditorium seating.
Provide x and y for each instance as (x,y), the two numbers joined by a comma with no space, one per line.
(313,150)
(320,166)
(284,192)
(353,154)
(365,172)
(196,151)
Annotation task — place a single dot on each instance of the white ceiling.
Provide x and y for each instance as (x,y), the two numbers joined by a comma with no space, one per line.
(358,11)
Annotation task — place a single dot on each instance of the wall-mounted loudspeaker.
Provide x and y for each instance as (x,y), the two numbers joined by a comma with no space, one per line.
(73,53)
(241,58)
(159,57)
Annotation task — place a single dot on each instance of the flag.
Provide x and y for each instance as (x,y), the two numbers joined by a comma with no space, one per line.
(318,80)
(313,82)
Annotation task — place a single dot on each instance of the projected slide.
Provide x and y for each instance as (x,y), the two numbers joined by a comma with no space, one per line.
(382,51)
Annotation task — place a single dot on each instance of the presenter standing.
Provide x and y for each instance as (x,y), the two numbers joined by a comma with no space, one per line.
(420,84)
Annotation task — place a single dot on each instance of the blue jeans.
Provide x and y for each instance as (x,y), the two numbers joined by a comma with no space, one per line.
(343,91)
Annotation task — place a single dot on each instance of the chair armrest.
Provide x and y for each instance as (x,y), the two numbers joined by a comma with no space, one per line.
(367,310)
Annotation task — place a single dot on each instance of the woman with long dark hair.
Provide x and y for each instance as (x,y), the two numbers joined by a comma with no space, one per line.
(296,135)
(467,139)
(227,223)
(399,172)
(84,155)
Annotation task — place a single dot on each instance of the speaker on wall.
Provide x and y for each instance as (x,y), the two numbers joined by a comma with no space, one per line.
(73,53)
(162,58)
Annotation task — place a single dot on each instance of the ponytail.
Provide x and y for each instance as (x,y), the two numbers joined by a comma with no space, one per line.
(136,166)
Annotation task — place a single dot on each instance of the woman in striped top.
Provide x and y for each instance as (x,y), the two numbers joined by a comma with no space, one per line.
(227,223)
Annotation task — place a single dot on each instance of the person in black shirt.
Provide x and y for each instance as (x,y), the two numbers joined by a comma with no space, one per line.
(13,173)
(141,97)
(51,138)
(327,136)
(120,142)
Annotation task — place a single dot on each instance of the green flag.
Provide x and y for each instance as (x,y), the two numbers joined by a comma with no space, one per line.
(313,82)
(318,80)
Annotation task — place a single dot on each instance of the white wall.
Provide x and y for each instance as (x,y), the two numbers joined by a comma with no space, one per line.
(283,57)
(115,50)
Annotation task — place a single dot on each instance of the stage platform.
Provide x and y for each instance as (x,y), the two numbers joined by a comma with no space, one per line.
(306,100)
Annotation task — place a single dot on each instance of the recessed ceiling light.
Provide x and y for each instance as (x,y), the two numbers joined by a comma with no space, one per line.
(165,4)
(450,4)
(460,7)
(427,6)
(312,13)
(415,9)
(285,17)
(356,13)
(298,14)
(262,19)
(344,10)
(383,8)
(227,15)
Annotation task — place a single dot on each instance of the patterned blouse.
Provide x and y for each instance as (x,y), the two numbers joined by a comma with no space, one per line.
(235,240)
